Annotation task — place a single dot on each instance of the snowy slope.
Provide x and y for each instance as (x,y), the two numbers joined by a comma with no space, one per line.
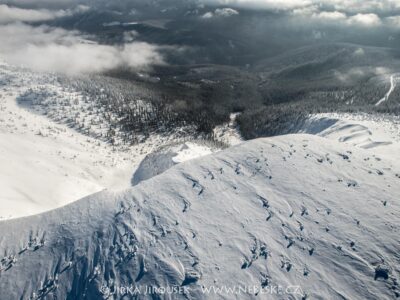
(318,218)
(45,164)
(378,133)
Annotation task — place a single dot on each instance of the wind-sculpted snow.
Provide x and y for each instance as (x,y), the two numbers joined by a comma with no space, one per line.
(378,133)
(300,216)
(159,161)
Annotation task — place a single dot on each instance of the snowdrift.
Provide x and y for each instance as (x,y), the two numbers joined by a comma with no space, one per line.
(159,161)
(291,217)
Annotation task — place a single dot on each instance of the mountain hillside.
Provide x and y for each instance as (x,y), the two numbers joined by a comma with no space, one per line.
(292,217)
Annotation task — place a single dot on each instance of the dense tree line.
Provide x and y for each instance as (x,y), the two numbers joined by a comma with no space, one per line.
(192,102)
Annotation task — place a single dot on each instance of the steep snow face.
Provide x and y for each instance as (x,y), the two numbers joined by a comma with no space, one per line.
(161,160)
(300,216)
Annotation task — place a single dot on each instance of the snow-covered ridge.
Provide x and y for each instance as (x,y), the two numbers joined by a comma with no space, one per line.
(277,212)
(47,164)
(297,210)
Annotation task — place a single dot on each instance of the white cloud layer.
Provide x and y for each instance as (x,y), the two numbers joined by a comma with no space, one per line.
(9,14)
(221,12)
(350,6)
(365,13)
(56,50)
(263,4)
(368,20)
(340,18)
(363,6)
(393,21)
(49,4)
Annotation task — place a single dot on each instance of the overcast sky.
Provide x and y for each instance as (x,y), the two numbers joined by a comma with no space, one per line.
(45,48)
(22,35)
(350,12)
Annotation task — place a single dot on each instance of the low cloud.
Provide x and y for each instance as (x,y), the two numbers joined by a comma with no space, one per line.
(221,12)
(263,4)
(368,20)
(330,16)
(338,18)
(360,72)
(10,14)
(356,13)
(347,6)
(393,21)
(50,49)
(363,6)
(47,4)
(359,52)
